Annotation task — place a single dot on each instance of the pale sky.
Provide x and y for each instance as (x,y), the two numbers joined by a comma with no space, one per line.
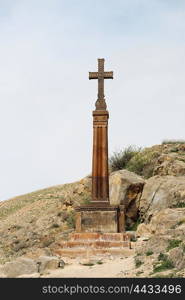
(47,48)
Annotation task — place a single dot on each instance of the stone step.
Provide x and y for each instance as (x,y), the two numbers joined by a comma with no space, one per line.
(99,236)
(81,252)
(93,243)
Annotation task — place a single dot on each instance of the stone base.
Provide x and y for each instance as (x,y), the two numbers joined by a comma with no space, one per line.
(100,217)
(94,244)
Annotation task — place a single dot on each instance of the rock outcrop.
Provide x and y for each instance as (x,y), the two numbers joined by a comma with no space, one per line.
(176,255)
(166,221)
(170,164)
(27,267)
(19,267)
(126,189)
(161,192)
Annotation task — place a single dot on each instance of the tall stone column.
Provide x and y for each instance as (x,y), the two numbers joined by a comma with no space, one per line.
(100,176)
(99,216)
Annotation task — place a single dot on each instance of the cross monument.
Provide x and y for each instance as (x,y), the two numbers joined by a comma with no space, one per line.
(99,215)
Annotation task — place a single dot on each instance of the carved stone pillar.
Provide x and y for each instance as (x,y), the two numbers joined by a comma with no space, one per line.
(100,176)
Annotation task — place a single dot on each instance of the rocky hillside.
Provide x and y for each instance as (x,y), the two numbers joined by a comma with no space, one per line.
(154,200)
(31,223)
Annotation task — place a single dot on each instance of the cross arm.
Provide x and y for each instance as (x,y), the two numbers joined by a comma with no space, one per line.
(93,75)
(108,75)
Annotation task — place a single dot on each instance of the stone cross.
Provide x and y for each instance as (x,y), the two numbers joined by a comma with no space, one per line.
(100,216)
(101,75)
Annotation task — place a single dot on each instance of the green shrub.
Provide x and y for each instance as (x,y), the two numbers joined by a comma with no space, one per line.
(138,263)
(134,226)
(139,273)
(134,159)
(162,257)
(149,252)
(119,160)
(88,264)
(55,225)
(173,244)
(181,222)
(165,263)
(179,205)
(143,163)
(175,149)
(181,159)
(71,220)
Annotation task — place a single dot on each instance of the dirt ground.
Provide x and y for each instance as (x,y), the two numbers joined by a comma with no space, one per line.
(109,267)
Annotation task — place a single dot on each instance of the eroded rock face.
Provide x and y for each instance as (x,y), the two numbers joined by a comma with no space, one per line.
(170,164)
(161,192)
(126,188)
(27,267)
(167,219)
(156,244)
(164,221)
(176,255)
(18,267)
(47,263)
(143,230)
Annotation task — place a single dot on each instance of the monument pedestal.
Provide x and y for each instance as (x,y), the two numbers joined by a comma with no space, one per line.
(100,217)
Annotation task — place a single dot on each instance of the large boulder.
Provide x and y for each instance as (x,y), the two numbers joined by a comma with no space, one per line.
(176,255)
(167,221)
(48,263)
(156,244)
(27,267)
(19,267)
(161,192)
(125,189)
(164,227)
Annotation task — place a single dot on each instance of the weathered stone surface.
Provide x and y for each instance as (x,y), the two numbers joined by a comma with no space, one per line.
(143,230)
(166,219)
(164,227)
(176,255)
(170,164)
(161,192)
(155,243)
(19,267)
(126,188)
(100,221)
(47,263)
(163,221)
